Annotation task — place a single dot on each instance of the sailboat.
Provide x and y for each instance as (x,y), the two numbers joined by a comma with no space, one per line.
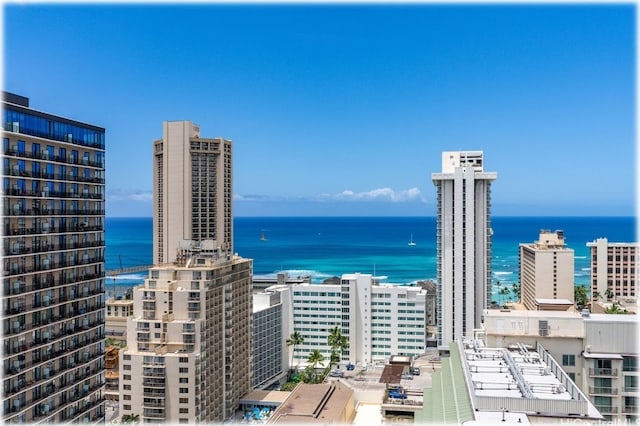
(411,243)
(263,237)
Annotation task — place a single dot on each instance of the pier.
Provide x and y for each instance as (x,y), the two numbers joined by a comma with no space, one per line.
(128,270)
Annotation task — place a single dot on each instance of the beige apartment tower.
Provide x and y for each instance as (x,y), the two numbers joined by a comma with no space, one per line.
(188,355)
(614,270)
(192,190)
(463,287)
(546,273)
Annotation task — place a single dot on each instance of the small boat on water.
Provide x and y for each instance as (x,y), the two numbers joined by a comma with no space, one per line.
(263,237)
(411,243)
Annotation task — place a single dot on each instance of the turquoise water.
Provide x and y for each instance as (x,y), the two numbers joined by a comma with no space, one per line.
(331,246)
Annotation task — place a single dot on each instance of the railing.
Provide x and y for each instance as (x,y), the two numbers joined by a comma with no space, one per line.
(53,176)
(602,390)
(603,372)
(52,230)
(44,155)
(45,248)
(607,409)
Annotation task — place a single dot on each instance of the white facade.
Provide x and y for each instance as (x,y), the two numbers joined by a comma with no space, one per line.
(599,352)
(192,190)
(267,339)
(463,243)
(379,320)
(546,273)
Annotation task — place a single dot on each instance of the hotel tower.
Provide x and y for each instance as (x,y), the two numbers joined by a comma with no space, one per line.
(53,267)
(192,196)
(463,244)
(188,355)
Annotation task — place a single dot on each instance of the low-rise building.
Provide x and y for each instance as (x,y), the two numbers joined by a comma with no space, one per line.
(597,351)
(118,310)
(321,404)
(488,385)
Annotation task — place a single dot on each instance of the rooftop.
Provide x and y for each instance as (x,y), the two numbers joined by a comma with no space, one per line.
(321,403)
(521,378)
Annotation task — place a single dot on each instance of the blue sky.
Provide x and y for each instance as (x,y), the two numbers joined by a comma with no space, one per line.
(345,110)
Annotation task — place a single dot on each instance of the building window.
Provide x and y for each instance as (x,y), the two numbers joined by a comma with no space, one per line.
(126,397)
(126,407)
(184,400)
(184,411)
(568,360)
(127,387)
(572,376)
(184,380)
(184,390)
(184,359)
(183,420)
(126,377)
(183,370)
(126,357)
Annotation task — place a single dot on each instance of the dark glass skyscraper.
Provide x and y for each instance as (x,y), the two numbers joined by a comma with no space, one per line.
(53,267)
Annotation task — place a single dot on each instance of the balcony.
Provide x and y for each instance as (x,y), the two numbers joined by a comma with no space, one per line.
(602,390)
(607,409)
(609,372)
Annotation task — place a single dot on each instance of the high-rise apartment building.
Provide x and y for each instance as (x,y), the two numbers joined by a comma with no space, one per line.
(615,268)
(192,192)
(463,244)
(53,267)
(188,354)
(546,273)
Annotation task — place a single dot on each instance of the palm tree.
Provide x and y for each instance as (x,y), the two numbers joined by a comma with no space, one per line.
(294,340)
(515,289)
(338,342)
(315,358)
(504,291)
(609,293)
(596,295)
(130,418)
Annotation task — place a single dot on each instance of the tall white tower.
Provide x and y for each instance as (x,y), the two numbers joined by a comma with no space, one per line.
(463,243)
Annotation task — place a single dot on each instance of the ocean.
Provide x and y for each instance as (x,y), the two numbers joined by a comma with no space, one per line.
(323,247)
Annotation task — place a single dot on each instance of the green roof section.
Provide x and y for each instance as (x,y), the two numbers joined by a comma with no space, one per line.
(447,402)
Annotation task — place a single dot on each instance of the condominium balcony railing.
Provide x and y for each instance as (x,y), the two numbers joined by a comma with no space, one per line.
(35,342)
(8,211)
(42,283)
(17,269)
(9,251)
(38,230)
(603,372)
(52,176)
(607,409)
(602,390)
(44,155)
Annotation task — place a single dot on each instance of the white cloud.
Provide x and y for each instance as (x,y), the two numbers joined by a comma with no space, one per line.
(379,194)
(130,195)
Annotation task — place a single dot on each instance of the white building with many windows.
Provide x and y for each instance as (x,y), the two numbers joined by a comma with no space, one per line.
(463,287)
(379,320)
